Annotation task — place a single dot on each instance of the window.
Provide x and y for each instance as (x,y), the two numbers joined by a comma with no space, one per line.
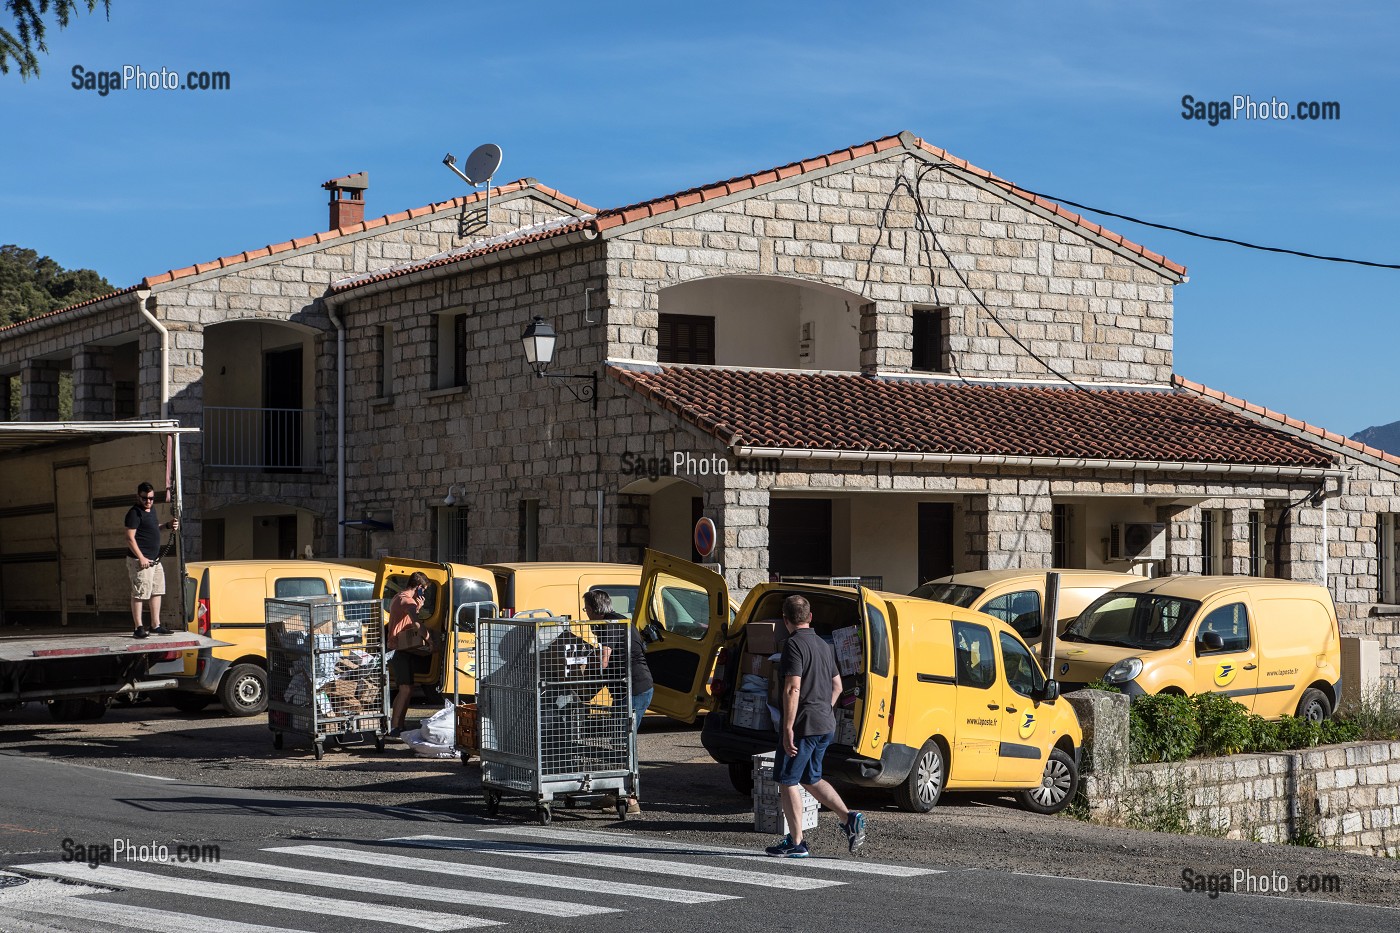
(296,587)
(1212,542)
(931,340)
(686,338)
(471,600)
(879,642)
(1231,623)
(1256,544)
(386,361)
(352,590)
(1385,558)
(1020,610)
(1061,520)
(685,610)
(624,598)
(529,529)
(451,351)
(452,535)
(977,666)
(1022,672)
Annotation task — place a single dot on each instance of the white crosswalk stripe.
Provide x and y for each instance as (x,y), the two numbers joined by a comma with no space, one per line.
(266,897)
(399,889)
(628,863)
(506,875)
(144,918)
(619,840)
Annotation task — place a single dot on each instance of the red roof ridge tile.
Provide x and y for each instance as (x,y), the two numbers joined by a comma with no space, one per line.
(1298,424)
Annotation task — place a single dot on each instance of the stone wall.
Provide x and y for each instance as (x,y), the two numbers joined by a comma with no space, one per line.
(1345,796)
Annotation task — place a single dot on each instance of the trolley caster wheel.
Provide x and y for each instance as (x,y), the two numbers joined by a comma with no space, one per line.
(320,751)
(621,810)
(379,743)
(543,815)
(493,803)
(277,741)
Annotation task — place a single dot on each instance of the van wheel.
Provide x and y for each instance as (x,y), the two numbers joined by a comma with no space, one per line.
(741,776)
(244,690)
(1314,706)
(921,789)
(1057,785)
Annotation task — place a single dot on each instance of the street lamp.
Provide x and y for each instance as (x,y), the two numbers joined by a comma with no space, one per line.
(539,340)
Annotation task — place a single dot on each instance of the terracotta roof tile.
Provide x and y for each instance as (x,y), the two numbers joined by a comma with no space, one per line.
(1216,395)
(847,412)
(81,304)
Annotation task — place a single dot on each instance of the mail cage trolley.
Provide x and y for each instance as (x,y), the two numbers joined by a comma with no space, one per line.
(327,674)
(555,721)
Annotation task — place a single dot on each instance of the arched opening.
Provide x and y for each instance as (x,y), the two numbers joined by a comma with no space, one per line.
(663,514)
(259,392)
(764,321)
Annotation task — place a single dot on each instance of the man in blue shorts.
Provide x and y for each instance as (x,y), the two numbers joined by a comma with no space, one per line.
(811,685)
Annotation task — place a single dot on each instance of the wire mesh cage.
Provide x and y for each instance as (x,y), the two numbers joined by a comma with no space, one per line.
(554,710)
(326,671)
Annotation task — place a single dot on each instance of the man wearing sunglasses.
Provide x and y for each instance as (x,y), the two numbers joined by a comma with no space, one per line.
(143,564)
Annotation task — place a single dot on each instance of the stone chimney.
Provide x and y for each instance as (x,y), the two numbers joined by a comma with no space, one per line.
(347,199)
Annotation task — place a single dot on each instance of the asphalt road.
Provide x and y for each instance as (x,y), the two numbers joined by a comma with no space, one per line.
(152,776)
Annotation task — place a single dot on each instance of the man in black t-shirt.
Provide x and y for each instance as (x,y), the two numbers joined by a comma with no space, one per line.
(143,560)
(811,684)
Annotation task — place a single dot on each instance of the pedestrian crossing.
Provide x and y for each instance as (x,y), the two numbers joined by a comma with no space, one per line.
(493,877)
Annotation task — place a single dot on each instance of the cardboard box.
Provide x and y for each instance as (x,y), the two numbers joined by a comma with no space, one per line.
(848,650)
(763,637)
(758,664)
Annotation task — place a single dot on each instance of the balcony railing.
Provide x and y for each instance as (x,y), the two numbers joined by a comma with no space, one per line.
(273,440)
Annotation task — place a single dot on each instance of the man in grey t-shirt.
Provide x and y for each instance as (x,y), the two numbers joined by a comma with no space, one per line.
(811,684)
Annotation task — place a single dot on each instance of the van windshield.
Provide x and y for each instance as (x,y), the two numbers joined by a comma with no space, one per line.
(954,594)
(1147,621)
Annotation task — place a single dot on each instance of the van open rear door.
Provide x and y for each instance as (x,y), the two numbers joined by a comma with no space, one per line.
(394,573)
(876,710)
(683,611)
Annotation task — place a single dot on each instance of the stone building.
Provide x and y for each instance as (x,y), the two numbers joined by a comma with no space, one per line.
(881,362)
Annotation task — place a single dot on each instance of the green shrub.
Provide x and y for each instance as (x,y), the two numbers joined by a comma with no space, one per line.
(1294,732)
(1224,725)
(1102,685)
(1162,728)
(1337,731)
(1263,735)
(1377,719)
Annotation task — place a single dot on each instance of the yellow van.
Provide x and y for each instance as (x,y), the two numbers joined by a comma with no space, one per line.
(1271,645)
(1017,596)
(935,697)
(224,600)
(458,595)
(559,586)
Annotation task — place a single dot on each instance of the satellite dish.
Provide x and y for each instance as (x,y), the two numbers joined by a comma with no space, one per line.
(482,163)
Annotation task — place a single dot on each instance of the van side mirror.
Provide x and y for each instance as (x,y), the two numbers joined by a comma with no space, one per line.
(1209,641)
(1048,693)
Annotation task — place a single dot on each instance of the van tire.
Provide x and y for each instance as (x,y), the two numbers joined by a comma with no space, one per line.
(1314,706)
(920,791)
(243,691)
(741,776)
(1057,786)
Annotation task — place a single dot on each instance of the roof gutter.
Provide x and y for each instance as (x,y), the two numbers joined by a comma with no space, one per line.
(142,294)
(1058,463)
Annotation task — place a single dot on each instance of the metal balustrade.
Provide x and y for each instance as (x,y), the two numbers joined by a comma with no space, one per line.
(273,440)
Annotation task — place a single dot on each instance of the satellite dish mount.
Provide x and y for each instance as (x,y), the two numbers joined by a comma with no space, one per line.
(481,168)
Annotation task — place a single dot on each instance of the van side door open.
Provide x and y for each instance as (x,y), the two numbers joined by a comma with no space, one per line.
(683,612)
(875,706)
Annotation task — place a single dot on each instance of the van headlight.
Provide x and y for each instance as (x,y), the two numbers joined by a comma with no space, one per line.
(1124,671)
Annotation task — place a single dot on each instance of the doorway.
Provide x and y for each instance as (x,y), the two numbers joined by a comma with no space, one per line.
(282,400)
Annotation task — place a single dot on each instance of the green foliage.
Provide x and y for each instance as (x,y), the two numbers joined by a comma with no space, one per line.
(27,39)
(1377,719)
(1337,731)
(31,284)
(1162,728)
(1263,735)
(1225,728)
(1102,685)
(1294,732)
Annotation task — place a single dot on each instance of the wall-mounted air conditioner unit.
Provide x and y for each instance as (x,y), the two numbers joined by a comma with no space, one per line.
(1137,541)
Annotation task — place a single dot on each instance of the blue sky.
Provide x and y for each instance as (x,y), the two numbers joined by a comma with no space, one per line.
(617,102)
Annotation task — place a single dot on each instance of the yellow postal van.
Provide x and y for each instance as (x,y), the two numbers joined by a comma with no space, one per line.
(559,586)
(935,697)
(1017,597)
(224,600)
(1271,645)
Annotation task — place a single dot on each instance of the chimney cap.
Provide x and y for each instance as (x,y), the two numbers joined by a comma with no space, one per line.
(358,181)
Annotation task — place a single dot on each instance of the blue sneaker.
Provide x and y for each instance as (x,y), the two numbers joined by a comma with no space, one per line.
(786,849)
(854,830)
